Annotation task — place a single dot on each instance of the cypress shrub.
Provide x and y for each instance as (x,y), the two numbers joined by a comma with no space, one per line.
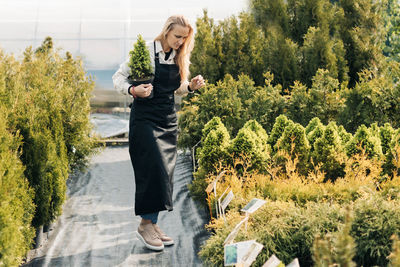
(213,149)
(17,208)
(250,146)
(265,104)
(363,139)
(74,96)
(375,221)
(294,142)
(391,165)
(48,98)
(281,122)
(314,130)
(386,133)
(344,135)
(212,153)
(330,153)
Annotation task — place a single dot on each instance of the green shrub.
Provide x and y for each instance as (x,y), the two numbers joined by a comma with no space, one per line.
(314,130)
(17,208)
(330,153)
(283,228)
(344,135)
(363,139)
(214,147)
(264,104)
(250,147)
(281,122)
(294,142)
(375,221)
(219,100)
(386,133)
(139,60)
(337,249)
(48,99)
(392,157)
(211,155)
(288,231)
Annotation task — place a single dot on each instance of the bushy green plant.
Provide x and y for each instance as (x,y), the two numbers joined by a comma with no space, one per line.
(344,135)
(330,153)
(48,99)
(265,104)
(392,157)
(213,149)
(386,133)
(294,142)
(314,130)
(211,155)
(283,228)
(364,139)
(281,122)
(219,100)
(17,208)
(139,60)
(375,221)
(250,146)
(337,249)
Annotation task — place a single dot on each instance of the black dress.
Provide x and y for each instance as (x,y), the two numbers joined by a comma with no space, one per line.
(152,141)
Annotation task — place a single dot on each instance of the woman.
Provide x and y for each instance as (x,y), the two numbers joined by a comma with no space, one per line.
(153,125)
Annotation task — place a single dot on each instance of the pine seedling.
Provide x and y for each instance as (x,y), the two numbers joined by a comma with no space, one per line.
(139,61)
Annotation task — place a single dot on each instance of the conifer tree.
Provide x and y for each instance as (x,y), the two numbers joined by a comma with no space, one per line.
(281,122)
(329,151)
(139,60)
(362,32)
(17,208)
(294,142)
(207,55)
(363,139)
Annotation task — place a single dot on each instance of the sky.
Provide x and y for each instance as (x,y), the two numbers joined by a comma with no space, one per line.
(100,31)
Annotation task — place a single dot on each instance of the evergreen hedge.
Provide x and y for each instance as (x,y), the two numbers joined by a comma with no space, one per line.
(16,198)
(44,99)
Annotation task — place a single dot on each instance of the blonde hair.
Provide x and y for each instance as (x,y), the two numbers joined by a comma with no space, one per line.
(182,59)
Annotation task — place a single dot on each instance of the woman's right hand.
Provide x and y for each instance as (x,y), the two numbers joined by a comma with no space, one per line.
(142,90)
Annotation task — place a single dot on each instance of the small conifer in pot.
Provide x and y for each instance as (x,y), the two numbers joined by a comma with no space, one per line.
(140,64)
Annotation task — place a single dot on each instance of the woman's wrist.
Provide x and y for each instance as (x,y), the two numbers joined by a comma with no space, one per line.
(131,91)
(190,89)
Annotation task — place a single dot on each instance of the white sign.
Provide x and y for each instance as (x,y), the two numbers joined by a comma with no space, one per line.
(213,186)
(229,239)
(234,253)
(273,261)
(253,205)
(227,200)
(294,263)
(252,254)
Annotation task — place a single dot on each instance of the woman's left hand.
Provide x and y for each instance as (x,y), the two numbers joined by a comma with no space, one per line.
(196,83)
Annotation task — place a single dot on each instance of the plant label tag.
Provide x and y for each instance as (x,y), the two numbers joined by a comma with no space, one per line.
(229,239)
(234,253)
(253,205)
(227,200)
(252,254)
(294,263)
(273,261)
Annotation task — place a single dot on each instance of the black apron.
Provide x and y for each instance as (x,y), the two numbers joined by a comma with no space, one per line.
(152,141)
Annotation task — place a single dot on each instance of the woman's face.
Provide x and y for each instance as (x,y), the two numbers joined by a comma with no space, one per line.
(176,37)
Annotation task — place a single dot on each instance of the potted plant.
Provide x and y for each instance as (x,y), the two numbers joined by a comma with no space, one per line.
(140,64)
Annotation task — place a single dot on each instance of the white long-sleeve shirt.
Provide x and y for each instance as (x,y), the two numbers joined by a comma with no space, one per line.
(120,78)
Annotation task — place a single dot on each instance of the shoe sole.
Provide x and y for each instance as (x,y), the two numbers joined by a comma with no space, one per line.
(148,245)
(168,243)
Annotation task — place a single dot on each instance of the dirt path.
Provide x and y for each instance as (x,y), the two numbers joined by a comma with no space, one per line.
(98,223)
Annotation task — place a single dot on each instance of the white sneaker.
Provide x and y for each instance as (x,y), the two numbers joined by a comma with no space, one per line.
(147,234)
